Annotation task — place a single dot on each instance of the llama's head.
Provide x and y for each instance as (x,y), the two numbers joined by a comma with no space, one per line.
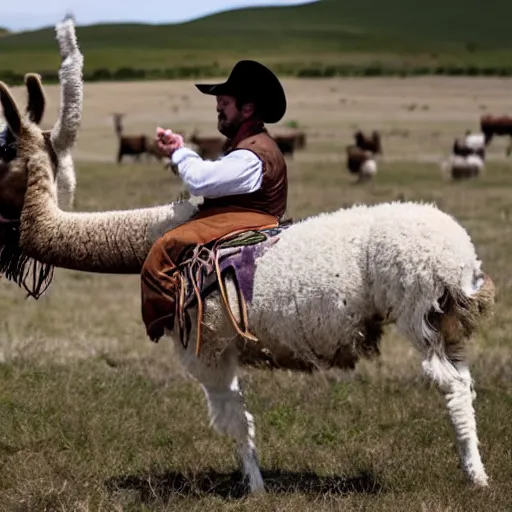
(20,136)
(13,174)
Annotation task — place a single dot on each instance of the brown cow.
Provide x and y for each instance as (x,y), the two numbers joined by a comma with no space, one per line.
(286,143)
(372,143)
(212,147)
(494,125)
(289,142)
(361,162)
(154,151)
(300,140)
(208,147)
(135,145)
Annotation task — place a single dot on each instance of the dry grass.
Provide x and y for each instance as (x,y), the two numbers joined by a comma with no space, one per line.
(93,416)
(418,117)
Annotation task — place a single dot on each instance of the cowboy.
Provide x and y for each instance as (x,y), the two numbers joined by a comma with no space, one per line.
(245,189)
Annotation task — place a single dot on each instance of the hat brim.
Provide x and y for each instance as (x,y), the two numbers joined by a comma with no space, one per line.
(214,89)
(269,94)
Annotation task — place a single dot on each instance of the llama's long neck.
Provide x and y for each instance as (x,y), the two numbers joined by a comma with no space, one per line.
(105,242)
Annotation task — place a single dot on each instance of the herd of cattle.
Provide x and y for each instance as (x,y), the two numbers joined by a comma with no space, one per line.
(468,153)
(467,158)
(209,147)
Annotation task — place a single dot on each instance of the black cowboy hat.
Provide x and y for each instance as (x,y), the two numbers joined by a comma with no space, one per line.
(252,82)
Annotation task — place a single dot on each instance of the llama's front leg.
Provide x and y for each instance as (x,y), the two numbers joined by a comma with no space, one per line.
(229,416)
(457,384)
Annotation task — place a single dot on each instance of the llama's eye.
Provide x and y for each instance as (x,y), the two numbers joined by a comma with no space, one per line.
(7,152)
(7,146)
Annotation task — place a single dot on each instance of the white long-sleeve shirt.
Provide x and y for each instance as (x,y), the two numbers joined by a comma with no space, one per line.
(239,172)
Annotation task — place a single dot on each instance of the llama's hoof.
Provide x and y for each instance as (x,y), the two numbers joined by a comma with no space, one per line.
(258,490)
(256,485)
(480,481)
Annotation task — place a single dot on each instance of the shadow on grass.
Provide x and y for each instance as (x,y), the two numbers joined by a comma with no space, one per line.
(232,485)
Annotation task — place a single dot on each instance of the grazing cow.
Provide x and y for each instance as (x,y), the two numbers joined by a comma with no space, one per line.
(209,148)
(372,143)
(154,151)
(361,162)
(289,142)
(212,147)
(494,125)
(286,144)
(135,145)
(463,167)
(300,140)
(468,156)
(471,144)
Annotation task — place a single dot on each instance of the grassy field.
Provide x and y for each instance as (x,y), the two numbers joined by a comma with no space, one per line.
(95,417)
(327,36)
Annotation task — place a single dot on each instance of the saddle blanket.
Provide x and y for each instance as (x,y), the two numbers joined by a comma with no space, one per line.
(205,270)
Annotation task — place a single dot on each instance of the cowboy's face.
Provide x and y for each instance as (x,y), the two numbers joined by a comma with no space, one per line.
(229,117)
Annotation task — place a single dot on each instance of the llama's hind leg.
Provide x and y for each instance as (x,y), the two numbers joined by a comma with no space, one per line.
(229,416)
(455,380)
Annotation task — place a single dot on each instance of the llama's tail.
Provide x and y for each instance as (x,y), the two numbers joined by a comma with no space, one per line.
(440,370)
(456,321)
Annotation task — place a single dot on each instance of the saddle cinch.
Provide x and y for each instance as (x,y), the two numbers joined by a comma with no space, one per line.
(204,268)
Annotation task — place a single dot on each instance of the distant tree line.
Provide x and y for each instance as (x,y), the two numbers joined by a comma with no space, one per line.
(291,70)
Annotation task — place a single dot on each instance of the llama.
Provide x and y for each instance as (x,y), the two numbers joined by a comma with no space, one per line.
(14,265)
(135,145)
(360,162)
(404,263)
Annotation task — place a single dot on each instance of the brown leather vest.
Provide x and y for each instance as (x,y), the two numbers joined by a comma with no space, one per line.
(272,196)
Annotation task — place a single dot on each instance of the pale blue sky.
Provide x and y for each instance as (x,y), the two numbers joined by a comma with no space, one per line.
(32,14)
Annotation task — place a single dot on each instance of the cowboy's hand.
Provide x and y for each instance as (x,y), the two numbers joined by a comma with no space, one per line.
(167,141)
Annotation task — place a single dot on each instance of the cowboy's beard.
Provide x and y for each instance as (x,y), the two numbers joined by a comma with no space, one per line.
(228,127)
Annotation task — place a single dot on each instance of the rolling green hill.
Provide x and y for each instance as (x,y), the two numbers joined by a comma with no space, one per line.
(323,37)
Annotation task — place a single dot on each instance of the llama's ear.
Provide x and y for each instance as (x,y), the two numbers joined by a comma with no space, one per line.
(36,98)
(11,113)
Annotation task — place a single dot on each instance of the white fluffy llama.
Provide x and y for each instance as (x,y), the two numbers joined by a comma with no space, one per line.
(60,141)
(320,296)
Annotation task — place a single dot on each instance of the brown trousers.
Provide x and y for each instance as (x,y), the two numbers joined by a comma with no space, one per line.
(159,280)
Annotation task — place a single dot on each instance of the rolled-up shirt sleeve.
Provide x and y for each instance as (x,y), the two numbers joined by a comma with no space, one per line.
(239,172)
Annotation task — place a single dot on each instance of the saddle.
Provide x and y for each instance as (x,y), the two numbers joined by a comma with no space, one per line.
(203,269)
